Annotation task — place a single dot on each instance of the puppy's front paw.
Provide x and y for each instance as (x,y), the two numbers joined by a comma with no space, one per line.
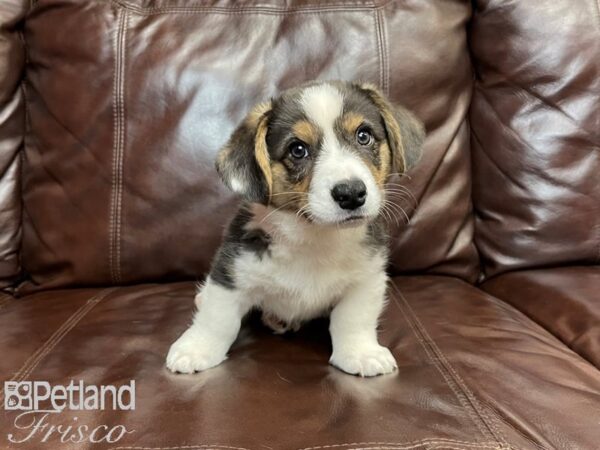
(367,361)
(190,354)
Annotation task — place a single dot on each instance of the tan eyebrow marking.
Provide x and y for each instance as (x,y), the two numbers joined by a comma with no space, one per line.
(306,132)
(351,121)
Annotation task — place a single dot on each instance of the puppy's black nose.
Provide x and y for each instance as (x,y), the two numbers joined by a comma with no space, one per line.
(350,194)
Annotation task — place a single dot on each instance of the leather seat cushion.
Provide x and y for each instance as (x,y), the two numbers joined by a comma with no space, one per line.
(474,373)
(565,301)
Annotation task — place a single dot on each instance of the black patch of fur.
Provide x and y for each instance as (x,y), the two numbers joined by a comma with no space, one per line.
(238,239)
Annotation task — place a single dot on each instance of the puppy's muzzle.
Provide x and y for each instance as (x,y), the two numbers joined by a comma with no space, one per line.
(350,194)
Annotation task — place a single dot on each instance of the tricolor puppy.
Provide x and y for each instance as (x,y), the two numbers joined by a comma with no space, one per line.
(309,239)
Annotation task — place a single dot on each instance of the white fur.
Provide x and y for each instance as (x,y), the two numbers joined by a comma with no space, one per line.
(310,271)
(237,185)
(216,324)
(334,165)
(323,105)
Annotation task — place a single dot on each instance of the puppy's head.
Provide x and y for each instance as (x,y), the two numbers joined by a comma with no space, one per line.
(323,151)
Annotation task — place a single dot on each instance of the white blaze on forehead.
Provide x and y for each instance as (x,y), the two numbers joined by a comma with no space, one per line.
(322,104)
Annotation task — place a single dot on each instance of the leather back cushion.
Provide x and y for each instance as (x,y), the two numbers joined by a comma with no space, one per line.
(536,133)
(12,129)
(129,102)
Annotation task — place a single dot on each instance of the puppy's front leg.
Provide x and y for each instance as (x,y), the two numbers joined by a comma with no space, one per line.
(353,329)
(216,325)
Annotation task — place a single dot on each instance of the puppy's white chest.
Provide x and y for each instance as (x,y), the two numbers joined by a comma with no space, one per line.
(299,281)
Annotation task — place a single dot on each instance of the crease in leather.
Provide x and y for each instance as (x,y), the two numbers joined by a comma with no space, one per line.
(467,216)
(34,360)
(5,299)
(467,399)
(258,9)
(502,123)
(443,157)
(542,174)
(508,81)
(118,148)
(598,237)
(505,174)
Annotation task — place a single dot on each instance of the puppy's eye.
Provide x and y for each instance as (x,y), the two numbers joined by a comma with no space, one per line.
(364,136)
(298,150)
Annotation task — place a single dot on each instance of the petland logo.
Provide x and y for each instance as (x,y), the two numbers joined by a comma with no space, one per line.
(39,401)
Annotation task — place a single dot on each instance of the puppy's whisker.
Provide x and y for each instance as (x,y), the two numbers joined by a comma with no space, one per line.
(397,209)
(387,214)
(399,187)
(304,210)
(401,193)
(392,215)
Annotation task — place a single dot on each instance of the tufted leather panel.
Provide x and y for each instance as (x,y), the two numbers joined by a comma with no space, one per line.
(119,184)
(536,133)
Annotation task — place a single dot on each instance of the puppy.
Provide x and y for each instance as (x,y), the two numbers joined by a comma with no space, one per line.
(309,238)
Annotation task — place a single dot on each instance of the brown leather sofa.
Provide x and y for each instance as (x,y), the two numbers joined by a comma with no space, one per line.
(111,113)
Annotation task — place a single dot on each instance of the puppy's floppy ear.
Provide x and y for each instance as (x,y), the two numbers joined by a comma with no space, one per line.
(405,132)
(244,162)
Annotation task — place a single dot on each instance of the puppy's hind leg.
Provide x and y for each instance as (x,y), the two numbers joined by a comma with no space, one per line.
(216,325)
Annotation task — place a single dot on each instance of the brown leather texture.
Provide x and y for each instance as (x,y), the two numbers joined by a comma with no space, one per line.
(535,127)
(473,373)
(126,119)
(565,300)
(12,132)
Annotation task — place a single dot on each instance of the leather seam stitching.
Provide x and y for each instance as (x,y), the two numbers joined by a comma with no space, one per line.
(429,443)
(118,145)
(466,393)
(431,446)
(379,48)
(413,444)
(122,150)
(337,7)
(114,155)
(34,360)
(181,447)
(436,362)
(516,430)
(384,51)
